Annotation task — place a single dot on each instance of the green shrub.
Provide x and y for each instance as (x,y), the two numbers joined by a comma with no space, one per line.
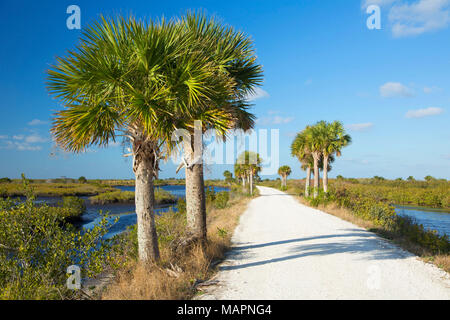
(5,180)
(76,205)
(210,194)
(37,246)
(222,199)
(82,179)
(181,205)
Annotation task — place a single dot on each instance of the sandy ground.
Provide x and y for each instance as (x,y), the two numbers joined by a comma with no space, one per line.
(285,250)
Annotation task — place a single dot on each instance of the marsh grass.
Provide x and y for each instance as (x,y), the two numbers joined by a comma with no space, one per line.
(161,197)
(43,189)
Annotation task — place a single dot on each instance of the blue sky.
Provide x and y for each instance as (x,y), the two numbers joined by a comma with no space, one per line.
(390,87)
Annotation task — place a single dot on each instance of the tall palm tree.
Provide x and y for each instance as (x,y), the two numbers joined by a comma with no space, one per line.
(233,59)
(299,149)
(132,79)
(333,138)
(250,162)
(284,172)
(240,173)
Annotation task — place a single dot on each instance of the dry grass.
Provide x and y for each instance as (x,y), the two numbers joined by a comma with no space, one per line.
(176,275)
(441,261)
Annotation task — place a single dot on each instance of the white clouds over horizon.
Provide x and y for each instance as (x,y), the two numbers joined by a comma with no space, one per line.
(395,89)
(421,113)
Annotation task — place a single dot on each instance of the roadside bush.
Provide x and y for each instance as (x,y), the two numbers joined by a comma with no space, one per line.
(373,208)
(222,199)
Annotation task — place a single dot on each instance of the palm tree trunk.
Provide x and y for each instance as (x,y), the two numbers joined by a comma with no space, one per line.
(145,201)
(325,173)
(251,183)
(316,174)
(243,183)
(195,194)
(308,181)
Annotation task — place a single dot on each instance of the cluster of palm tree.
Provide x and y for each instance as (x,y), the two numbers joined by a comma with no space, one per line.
(284,172)
(140,81)
(315,148)
(247,166)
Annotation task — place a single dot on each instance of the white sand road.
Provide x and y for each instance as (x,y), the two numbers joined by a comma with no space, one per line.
(284,250)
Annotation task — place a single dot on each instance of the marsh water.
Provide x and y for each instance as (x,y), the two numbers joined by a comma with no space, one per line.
(431,219)
(125,212)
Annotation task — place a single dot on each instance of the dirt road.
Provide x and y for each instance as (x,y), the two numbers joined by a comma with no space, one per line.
(284,250)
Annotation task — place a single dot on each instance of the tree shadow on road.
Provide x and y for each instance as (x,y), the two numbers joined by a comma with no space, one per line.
(372,247)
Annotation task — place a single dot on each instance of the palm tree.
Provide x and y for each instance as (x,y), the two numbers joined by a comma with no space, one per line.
(228,176)
(240,173)
(232,57)
(299,149)
(250,162)
(314,146)
(284,172)
(135,80)
(332,138)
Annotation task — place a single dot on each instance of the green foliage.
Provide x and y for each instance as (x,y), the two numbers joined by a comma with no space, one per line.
(222,199)
(228,176)
(371,206)
(82,179)
(5,180)
(181,205)
(75,205)
(37,246)
(161,197)
(210,195)
(222,232)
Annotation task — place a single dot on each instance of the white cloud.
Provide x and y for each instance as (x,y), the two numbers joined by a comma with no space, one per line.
(34,138)
(395,89)
(410,19)
(360,126)
(421,113)
(23,142)
(258,94)
(36,122)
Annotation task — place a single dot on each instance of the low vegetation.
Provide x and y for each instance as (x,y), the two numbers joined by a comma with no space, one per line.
(162,197)
(181,271)
(37,245)
(53,189)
